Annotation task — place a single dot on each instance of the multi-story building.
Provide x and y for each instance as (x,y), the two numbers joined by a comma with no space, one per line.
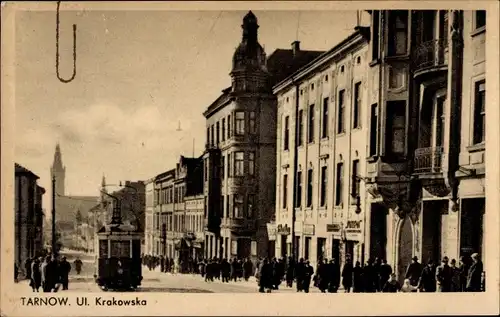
(174,221)
(425,165)
(29,216)
(321,150)
(240,152)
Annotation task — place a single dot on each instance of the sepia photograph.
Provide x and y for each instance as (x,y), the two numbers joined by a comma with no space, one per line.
(291,151)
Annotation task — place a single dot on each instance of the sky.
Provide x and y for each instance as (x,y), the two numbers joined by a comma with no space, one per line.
(140,74)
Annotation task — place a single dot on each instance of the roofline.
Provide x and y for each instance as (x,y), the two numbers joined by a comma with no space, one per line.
(350,41)
(24,170)
(218,103)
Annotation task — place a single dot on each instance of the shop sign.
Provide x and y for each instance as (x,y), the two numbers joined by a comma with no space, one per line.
(353,226)
(333,227)
(283,230)
(253,248)
(308,230)
(271,231)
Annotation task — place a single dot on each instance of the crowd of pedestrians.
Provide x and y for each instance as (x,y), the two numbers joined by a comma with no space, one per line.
(48,273)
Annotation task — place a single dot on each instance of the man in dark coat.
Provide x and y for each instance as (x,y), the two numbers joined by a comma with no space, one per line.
(385,273)
(464,272)
(226,271)
(78,265)
(334,269)
(308,274)
(444,275)
(36,277)
(322,276)
(265,277)
(369,277)
(247,269)
(347,272)
(474,275)
(414,271)
(427,281)
(64,269)
(357,278)
(299,274)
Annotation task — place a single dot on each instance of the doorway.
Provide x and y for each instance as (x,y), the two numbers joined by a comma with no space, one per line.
(471,226)
(336,250)
(283,246)
(320,249)
(243,248)
(431,229)
(349,250)
(378,231)
(307,248)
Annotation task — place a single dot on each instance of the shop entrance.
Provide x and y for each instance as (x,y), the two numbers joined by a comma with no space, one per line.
(283,246)
(320,249)
(471,226)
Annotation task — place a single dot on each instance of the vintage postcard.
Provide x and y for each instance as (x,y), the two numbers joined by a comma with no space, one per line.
(249,158)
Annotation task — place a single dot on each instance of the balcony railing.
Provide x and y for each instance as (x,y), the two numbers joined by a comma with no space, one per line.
(430,54)
(428,160)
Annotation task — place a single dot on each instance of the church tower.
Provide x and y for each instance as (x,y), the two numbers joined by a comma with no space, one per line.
(58,170)
(249,73)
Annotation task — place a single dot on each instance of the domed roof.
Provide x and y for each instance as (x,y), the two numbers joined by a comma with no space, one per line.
(250,18)
(249,53)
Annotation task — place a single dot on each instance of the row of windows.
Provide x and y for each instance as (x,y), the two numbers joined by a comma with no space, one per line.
(235,206)
(178,223)
(398,21)
(323,124)
(221,130)
(323,184)
(169,195)
(239,164)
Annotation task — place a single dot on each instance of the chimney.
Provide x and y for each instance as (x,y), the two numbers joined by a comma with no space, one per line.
(295,47)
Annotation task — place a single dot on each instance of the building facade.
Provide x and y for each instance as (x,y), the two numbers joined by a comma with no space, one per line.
(425,166)
(321,151)
(240,160)
(29,217)
(174,207)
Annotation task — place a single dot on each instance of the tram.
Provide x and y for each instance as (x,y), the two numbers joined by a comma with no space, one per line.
(119,256)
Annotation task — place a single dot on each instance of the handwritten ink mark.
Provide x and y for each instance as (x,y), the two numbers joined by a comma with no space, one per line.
(57,49)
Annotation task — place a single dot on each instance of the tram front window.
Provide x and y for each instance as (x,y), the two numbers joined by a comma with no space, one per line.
(120,249)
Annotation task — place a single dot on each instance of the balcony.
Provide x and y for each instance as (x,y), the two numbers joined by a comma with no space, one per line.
(428,160)
(430,56)
(239,224)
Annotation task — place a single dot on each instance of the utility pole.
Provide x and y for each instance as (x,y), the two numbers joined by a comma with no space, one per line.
(54,252)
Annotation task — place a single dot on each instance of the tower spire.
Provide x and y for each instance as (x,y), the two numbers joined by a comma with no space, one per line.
(58,170)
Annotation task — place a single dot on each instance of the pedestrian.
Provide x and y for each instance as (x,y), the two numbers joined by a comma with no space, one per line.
(407,287)
(36,278)
(474,275)
(464,271)
(414,271)
(64,269)
(376,275)
(308,274)
(46,275)
(300,275)
(347,275)
(247,269)
(357,278)
(78,265)
(370,278)
(321,278)
(392,285)
(385,272)
(455,276)
(265,277)
(226,271)
(334,274)
(427,281)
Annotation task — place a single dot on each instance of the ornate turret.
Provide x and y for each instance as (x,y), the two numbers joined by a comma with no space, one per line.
(249,73)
